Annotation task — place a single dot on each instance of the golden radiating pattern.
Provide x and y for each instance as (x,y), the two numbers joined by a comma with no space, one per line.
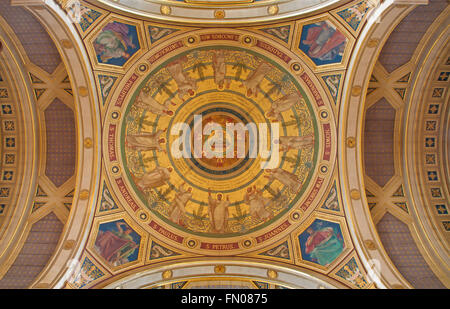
(224,85)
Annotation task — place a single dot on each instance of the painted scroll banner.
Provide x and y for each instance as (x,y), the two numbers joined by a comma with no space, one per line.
(312,195)
(219,36)
(166,50)
(225,246)
(327,141)
(112,142)
(273,232)
(273,50)
(165,232)
(313,89)
(126,194)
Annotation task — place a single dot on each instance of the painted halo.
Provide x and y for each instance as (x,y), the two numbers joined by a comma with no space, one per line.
(219,205)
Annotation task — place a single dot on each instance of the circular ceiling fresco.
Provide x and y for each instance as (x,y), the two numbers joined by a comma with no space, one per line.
(219,141)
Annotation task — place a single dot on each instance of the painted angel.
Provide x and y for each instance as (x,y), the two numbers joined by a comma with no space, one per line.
(220,69)
(295,142)
(185,83)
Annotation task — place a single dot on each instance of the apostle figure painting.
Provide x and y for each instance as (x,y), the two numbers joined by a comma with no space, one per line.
(323,43)
(117,242)
(116,43)
(321,242)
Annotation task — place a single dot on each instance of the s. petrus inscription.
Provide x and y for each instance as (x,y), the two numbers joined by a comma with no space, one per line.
(224,246)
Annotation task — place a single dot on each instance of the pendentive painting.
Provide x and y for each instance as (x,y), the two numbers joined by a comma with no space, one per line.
(322,242)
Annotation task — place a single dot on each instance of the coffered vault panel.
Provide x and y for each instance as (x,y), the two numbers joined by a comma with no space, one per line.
(60,129)
(378,138)
(149,218)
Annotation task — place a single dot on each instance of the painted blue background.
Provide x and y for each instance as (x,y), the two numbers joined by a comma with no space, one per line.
(317,225)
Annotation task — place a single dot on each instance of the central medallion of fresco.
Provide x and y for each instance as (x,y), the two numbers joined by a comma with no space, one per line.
(179,165)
